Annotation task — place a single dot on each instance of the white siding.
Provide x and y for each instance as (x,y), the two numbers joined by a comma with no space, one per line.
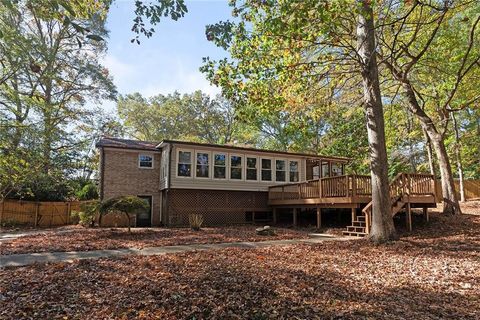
(164,168)
(228,184)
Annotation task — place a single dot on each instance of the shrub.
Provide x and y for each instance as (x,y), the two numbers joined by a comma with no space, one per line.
(87,192)
(195,220)
(87,213)
(124,204)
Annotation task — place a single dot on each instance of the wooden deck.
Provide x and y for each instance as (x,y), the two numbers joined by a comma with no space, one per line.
(407,190)
(341,191)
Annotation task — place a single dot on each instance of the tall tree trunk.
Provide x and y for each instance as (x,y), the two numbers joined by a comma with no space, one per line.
(428,145)
(450,201)
(382,221)
(459,158)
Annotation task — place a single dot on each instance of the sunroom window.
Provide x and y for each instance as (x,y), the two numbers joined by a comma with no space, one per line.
(203,165)
(251,169)
(145,161)
(236,167)
(184,167)
(280,172)
(220,166)
(266,170)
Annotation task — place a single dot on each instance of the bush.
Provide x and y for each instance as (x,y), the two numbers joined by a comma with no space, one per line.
(127,205)
(87,192)
(195,220)
(87,213)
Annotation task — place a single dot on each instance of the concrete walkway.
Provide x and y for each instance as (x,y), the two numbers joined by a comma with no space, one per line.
(18,260)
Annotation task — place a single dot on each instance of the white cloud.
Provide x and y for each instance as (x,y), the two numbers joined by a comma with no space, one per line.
(119,69)
(151,74)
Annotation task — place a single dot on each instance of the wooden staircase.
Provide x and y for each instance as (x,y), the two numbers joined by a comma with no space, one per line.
(403,190)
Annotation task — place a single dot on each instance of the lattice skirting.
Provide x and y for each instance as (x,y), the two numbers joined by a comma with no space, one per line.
(218,207)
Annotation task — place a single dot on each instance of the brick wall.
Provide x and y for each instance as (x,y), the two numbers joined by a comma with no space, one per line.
(122,176)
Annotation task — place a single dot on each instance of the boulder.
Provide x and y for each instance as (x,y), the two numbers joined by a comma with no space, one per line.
(265,231)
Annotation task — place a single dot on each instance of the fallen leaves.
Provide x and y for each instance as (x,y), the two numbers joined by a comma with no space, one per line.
(420,277)
(81,239)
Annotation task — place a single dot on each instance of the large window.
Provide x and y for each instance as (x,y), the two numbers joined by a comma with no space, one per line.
(236,167)
(220,166)
(145,161)
(203,165)
(266,170)
(184,167)
(280,170)
(294,171)
(251,169)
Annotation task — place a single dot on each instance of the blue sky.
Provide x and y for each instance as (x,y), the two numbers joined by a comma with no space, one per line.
(170,59)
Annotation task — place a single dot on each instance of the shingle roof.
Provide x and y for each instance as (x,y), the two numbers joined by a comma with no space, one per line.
(308,155)
(112,142)
(127,144)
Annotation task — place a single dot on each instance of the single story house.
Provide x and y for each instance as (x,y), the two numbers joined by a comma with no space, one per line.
(227,184)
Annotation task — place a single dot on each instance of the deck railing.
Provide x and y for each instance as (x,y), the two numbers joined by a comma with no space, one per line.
(330,187)
(404,184)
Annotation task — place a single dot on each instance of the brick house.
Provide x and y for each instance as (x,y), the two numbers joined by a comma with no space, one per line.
(227,184)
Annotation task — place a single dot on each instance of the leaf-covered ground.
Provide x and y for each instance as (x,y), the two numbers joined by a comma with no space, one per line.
(81,239)
(432,273)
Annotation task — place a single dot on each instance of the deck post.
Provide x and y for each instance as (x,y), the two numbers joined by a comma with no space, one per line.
(409,217)
(274,215)
(320,187)
(319,218)
(354,187)
(425,214)
(354,214)
(295,211)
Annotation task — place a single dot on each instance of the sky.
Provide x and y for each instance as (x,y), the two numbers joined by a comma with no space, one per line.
(170,59)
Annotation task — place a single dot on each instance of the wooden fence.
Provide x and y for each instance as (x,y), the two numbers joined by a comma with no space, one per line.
(37,214)
(471,188)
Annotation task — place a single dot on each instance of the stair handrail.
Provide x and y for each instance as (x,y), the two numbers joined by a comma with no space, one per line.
(397,188)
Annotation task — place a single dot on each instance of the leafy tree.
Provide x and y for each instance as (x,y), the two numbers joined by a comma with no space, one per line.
(431,51)
(126,205)
(88,192)
(42,103)
(284,53)
(194,117)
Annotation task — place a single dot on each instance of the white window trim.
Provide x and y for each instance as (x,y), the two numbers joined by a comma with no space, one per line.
(149,155)
(286,170)
(256,167)
(272,164)
(227,160)
(230,155)
(191,163)
(298,166)
(209,165)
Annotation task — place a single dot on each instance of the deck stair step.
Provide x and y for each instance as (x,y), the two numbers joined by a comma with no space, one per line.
(355,229)
(358,223)
(354,234)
